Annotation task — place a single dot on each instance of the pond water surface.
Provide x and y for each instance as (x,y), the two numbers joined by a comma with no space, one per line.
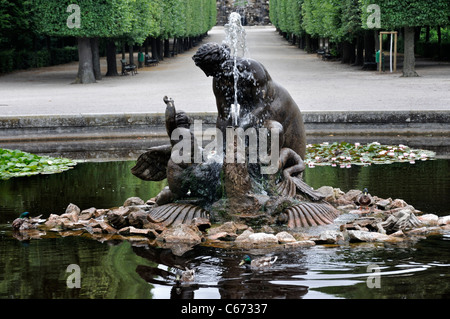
(38,268)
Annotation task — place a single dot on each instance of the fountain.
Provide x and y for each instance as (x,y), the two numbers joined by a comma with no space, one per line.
(256,116)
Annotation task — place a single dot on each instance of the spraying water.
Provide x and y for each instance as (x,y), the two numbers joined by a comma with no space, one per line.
(235,38)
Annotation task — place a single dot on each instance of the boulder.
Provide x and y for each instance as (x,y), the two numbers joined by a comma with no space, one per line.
(138,218)
(262,238)
(365,236)
(429,219)
(72,213)
(133,201)
(284,237)
(330,237)
(300,243)
(328,192)
(444,220)
(181,233)
(244,237)
(87,214)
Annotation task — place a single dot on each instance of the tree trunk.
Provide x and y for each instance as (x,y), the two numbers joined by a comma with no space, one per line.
(369,46)
(111,58)
(359,51)
(96,59)
(167,48)
(409,60)
(130,54)
(348,52)
(85,67)
(154,49)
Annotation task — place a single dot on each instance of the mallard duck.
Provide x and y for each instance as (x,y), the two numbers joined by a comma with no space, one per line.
(25,222)
(258,263)
(22,222)
(364,199)
(187,275)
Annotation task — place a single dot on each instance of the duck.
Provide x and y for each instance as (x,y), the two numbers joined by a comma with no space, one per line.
(186,275)
(22,222)
(258,263)
(25,222)
(364,199)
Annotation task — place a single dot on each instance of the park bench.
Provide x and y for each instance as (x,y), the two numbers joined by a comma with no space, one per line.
(325,54)
(128,68)
(150,61)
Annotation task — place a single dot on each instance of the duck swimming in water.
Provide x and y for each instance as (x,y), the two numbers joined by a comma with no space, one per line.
(258,263)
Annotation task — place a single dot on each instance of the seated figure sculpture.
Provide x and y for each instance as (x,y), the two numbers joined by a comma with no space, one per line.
(260,98)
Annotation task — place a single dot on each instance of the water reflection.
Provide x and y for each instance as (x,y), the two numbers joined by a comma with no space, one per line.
(37,268)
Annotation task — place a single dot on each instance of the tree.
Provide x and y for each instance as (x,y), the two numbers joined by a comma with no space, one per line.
(108,18)
(408,14)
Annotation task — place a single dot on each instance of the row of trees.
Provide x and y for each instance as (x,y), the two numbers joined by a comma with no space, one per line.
(354,23)
(128,21)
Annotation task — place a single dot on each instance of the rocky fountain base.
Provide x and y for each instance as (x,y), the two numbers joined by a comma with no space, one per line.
(385,221)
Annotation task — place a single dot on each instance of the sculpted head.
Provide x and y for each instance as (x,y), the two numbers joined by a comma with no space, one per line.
(210,57)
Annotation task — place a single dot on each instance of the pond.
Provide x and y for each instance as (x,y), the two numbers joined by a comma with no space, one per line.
(38,268)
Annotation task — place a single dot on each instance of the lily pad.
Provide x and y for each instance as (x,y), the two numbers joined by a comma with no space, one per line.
(15,163)
(345,154)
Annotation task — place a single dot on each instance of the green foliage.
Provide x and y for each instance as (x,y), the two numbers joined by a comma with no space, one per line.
(286,15)
(347,154)
(132,19)
(15,163)
(107,18)
(321,18)
(410,13)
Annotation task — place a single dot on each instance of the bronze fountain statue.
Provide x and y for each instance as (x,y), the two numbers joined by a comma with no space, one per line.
(227,184)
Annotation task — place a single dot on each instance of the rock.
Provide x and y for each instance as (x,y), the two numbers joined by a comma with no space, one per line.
(101,212)
(346,198)
(330,237)
(245,235)
(72,208)
(404,219)
(365,236)
(181,233)
(398,203)
(124,211)
(116,220)
(130,230)
(72,213)
(138,218)
(445,220)
(300,243)
(106,228)
(133,201)
(87,214)
(284,237)
(328,192)
(53,221)
(383,203)
(262,238)
(224,236)
(429,219)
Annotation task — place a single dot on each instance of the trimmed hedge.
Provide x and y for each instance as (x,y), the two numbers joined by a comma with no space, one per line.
(11,60)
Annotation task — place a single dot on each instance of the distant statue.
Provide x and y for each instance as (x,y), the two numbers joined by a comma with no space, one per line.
(259,97)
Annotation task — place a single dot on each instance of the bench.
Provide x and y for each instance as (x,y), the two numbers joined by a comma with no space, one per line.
(325,54)
(128,68)
(150,61)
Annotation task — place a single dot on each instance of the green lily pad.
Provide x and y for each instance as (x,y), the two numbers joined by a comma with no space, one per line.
(347,154)
(15,163)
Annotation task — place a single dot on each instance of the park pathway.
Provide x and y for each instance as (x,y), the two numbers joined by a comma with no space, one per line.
(315,85)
